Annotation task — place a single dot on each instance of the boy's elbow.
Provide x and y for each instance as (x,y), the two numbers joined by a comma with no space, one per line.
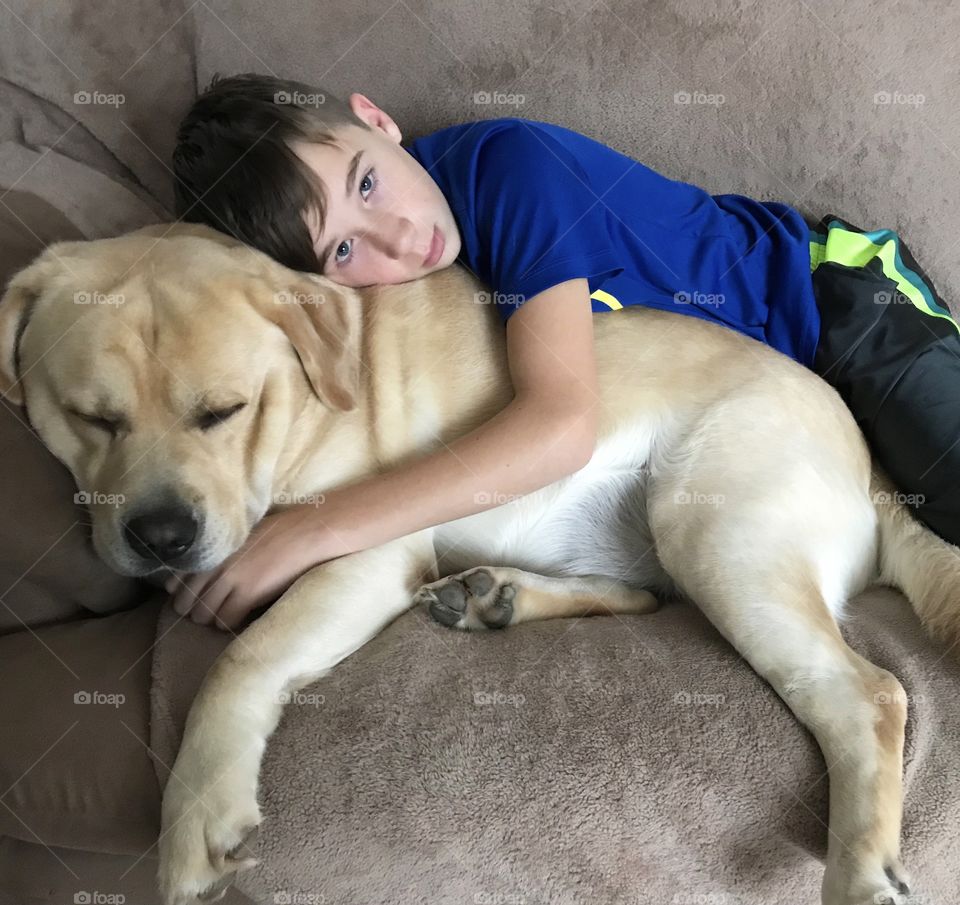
(568,431)
(579,436)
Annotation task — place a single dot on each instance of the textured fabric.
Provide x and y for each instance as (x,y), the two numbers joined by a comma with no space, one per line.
(37,874)
(617,760)
(538,204)
(75,709)
(890,347)
(842,243)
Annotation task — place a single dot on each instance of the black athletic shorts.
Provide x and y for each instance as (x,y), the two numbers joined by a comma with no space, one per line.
(891,349)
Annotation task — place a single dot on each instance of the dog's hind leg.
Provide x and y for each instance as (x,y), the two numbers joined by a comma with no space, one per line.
(497,596)
(778,620)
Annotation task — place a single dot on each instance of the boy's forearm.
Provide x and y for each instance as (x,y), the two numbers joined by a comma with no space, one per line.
(521,449)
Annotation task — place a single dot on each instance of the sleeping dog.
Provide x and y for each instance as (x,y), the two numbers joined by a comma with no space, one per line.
(222,384)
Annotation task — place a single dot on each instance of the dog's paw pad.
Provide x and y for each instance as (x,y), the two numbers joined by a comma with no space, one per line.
(470,600)
(216,891)
(447,603)
(901,889)
(497,610)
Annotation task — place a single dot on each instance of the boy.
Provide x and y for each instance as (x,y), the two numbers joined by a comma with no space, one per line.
(559,226)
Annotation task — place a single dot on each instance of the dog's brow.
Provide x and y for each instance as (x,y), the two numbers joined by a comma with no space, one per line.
(212,403)
(99,406)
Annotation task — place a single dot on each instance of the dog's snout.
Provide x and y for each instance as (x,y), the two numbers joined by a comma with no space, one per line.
(162,534)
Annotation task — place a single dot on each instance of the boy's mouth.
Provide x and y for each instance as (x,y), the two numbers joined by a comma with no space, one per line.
(437,244)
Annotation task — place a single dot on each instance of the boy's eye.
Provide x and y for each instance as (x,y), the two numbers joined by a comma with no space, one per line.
(347,243)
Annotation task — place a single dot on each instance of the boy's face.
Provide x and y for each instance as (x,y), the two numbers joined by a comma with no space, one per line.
(380,227)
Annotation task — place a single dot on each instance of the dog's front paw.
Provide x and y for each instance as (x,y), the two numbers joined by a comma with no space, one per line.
(206,837)
(876,884)
(476,599)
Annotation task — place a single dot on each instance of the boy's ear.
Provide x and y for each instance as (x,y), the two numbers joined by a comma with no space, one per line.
(323,322)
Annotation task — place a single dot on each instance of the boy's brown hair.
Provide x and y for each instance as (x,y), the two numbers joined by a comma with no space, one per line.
(234,169)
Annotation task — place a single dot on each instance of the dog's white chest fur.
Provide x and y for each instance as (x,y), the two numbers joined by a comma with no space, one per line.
(592,522)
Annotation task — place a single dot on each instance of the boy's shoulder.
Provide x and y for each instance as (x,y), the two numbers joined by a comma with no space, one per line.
(479,128)
(480,150)
(507,133)
(463,139)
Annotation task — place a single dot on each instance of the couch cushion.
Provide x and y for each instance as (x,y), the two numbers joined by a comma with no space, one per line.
(34,874)
(75,766)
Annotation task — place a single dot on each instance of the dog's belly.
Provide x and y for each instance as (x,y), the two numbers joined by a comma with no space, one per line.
(591,523)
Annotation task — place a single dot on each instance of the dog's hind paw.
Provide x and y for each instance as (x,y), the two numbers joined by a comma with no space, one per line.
(475,599)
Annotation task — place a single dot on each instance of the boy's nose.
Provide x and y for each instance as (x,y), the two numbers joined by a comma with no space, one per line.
(395,236)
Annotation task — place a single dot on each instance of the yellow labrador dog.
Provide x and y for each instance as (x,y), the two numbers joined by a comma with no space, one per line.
(199,383)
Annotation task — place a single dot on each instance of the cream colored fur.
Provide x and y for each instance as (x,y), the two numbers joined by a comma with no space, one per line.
(724,472)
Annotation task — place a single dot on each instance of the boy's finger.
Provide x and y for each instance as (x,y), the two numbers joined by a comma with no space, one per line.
(233,611)
(211,600)
(183,601)
(187,593)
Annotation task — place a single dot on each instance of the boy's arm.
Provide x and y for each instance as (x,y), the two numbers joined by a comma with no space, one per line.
(546,432)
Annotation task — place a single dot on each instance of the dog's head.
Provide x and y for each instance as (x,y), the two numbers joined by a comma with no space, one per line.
(163,368)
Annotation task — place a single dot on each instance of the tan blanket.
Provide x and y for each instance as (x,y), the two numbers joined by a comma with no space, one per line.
(615,759)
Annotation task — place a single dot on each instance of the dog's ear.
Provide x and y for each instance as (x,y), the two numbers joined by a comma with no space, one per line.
(323,322)
(16,306)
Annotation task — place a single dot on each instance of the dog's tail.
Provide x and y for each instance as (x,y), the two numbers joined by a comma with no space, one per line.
(918,562)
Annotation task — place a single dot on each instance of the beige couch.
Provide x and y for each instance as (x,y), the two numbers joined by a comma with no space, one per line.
(596,783)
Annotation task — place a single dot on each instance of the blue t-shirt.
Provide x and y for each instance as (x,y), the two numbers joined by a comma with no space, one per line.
(538,204)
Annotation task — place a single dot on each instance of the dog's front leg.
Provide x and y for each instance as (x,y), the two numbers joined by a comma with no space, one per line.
(210,802)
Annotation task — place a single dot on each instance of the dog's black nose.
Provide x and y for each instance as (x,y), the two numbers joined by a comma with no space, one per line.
(162,534)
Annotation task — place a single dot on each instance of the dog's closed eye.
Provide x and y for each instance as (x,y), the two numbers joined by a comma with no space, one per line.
(110,424)
(213,417)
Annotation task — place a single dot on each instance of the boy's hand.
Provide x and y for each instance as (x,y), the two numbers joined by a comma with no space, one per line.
(280,548)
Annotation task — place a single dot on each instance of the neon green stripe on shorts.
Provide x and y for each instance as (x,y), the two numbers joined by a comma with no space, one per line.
(857,249)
